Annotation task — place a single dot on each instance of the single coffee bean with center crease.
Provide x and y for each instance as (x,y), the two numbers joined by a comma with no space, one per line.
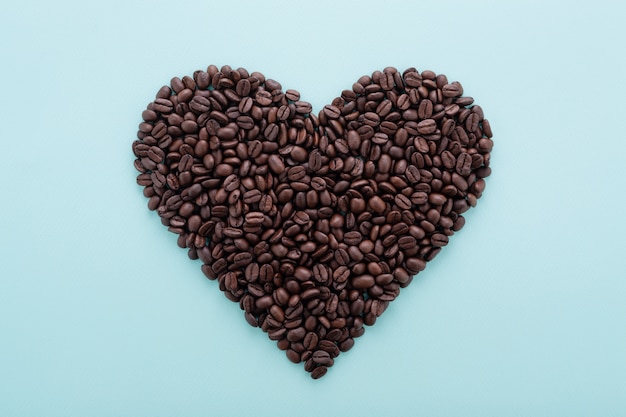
(352,238)
(276,164)
(403,202)
(464,164)
(426,127)
(412,174)
(363,282)
(319,372)
(439,239)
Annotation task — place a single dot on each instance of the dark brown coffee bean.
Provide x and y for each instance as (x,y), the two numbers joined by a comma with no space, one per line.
(415,265)
(412,78)
(296,173)
(310,341)
(403,202)
(243,259)
(407,242)
(243,87)
(293,356)
(437,199)
(162,105)
(301,218)
(320,273)
(254,218)
(342,257)
(332,112)
(425,110)
(464,164)
(231,182)
(352,238)
(319,372)
(276,164)
(303,107)
(412,174)
(252,196)
(315,160)
(266,203)
(452,90)
(426,127)
(263,98)
(439,239)
(363,281)
(377,204)
(341,274)
(448,160)
(321,357)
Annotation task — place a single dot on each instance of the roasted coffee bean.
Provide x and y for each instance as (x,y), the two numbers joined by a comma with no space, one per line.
(352,238)
(451,90)
(464,164)
(296,173)
(320,273)
(439,239)
(426,127)
(403,202)
(313,223)
(231,182)
(342,257)
(319,372)
(363,282)
(436,199)
(254,218)
(412,174)
(377,204)
(276,164)
(242,259)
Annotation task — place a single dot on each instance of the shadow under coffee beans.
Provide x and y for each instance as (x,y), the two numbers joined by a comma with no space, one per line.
(312,223)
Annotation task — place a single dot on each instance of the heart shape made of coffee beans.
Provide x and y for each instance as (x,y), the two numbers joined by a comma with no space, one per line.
(311,223)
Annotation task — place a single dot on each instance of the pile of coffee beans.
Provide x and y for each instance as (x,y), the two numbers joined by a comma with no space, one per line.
(312,223)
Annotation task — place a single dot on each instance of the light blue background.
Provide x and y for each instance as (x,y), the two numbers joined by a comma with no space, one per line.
(524,314)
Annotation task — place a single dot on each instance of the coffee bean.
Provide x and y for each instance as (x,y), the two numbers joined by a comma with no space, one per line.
(315,160)
(426,127)
(439,239)
(296,173)
(301,218)
(363,282)
(243,259)
(352,238)
(452,90)
(321,357)
(342,257)
(162,105)
(303,107)
(276,164)
(332,112)
(403,202)
(412,174)
(254,218)
(319,372)
(320,273)
(464,164)
(231,182)
(341,274)
(377,204)
(407,242)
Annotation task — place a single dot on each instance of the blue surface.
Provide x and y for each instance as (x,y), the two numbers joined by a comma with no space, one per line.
(524,314)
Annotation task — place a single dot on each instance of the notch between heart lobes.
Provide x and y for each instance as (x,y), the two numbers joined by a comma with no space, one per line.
(312,223)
